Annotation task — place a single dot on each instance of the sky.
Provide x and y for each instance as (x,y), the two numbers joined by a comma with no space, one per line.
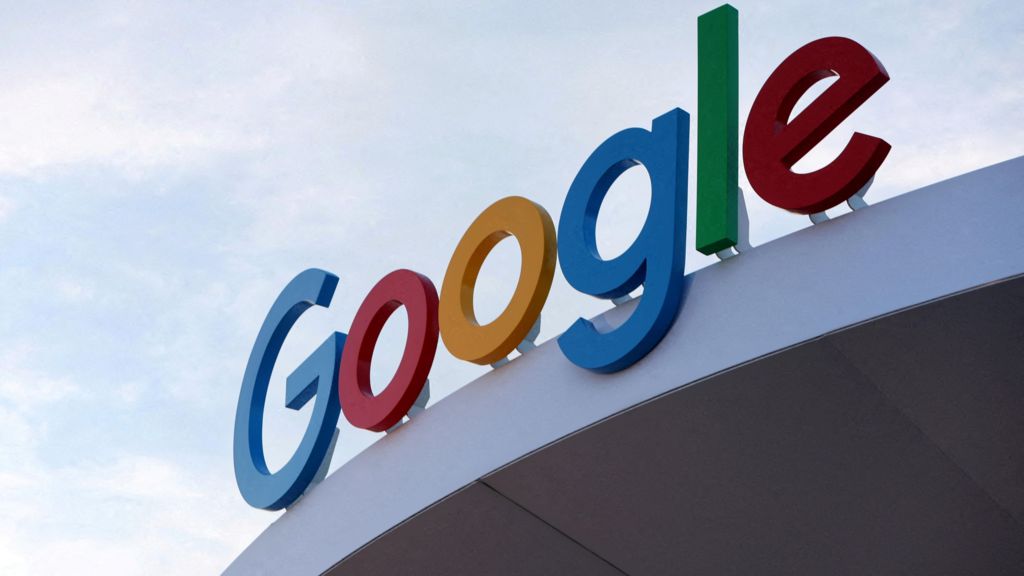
(167,167)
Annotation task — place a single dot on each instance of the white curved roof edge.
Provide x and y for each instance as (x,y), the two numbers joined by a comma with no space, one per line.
(935,241)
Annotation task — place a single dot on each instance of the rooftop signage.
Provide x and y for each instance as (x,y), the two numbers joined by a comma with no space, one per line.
(336,375)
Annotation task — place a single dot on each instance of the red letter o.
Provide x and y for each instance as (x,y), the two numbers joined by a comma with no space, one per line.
(378,413)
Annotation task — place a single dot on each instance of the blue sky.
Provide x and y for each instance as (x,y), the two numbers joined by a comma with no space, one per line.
(165,169)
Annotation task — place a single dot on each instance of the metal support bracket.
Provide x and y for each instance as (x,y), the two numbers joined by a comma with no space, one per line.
(742,230)
(419,406)
(856,202)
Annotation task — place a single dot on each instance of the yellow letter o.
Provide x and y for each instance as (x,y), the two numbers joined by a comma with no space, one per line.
(532,227)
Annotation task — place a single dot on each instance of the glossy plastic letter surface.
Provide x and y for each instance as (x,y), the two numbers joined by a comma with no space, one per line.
(315,377)
(773,143)
(378,413)
(532,227)
(656,257)
(717,127)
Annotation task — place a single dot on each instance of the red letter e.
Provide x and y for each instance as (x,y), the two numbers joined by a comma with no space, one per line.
(772,144)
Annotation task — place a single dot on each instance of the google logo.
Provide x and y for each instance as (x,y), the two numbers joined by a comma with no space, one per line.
(336,374)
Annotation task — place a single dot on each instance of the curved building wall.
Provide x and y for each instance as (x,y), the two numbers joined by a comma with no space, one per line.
(894,447)
(764,434)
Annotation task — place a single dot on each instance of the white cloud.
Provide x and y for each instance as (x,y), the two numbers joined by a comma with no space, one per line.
(136,478)
(18,442)
(128,516)
(129,393)
(7,207)
(74,290)
(23,387)
(177,88)
(79,119)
